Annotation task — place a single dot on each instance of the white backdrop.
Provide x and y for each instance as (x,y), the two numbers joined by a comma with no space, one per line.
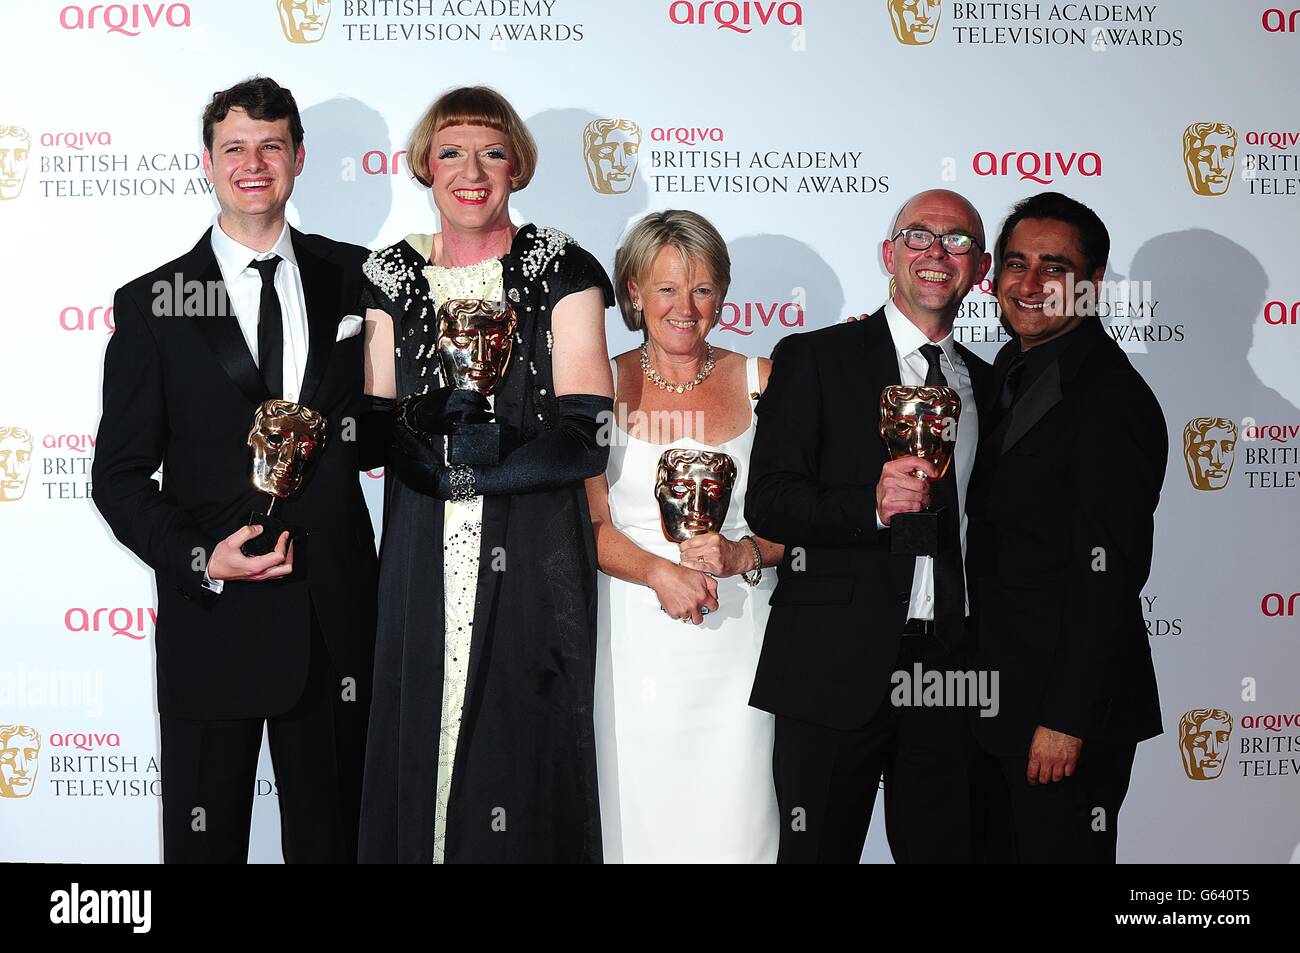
(798,129)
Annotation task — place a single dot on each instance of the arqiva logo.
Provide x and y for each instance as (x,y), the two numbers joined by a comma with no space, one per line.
(1279,21)
(741,17)
(135,624)
(1040,167)
(124,19)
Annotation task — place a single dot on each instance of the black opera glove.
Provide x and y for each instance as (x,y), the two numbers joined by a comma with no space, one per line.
(417,457)
(574,451)
(375,431)
(441,411)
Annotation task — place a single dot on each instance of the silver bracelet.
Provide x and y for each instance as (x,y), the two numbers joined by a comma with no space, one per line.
(757,571)
(463,488)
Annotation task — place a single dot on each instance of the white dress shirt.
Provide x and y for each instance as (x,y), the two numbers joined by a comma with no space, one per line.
(244,292)
(912,368)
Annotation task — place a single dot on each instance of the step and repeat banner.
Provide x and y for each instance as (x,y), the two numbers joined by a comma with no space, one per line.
(798,128)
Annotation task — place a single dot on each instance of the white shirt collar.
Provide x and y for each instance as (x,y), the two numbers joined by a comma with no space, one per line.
(234,256)
(909,339)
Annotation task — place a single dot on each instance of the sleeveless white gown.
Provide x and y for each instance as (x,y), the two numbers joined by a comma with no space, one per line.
(684,764)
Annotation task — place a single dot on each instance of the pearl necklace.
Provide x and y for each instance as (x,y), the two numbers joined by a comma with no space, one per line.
(653,376)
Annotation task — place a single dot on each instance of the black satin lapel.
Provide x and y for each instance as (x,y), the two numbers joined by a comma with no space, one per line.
(226,341)
(981,378)
(881,354)
(320,287)
(1043,394)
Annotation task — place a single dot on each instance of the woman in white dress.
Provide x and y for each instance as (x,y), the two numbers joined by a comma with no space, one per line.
(684,764)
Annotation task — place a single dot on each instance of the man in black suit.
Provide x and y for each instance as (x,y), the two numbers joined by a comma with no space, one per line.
(255,310)
(1062,506)
(848,615)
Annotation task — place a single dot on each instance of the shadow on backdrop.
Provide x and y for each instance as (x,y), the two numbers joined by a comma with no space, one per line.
(335,196)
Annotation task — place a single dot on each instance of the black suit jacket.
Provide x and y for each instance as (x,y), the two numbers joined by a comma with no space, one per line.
(841,597)
(1061,509)
(180,391)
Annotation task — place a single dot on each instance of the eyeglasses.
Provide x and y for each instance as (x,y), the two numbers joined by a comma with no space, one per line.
(954,243)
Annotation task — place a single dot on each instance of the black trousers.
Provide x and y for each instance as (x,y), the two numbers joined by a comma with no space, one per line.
(827,779)
(1071,821)
(317,749)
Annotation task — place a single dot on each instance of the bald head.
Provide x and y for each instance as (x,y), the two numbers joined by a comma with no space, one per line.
(931,283)
(941,202)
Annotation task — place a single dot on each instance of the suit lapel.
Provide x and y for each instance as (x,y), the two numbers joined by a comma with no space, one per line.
(881,356)
(980,378)
(881,362)
(1048,388)
(320,287)
(220,331)
(1043,394)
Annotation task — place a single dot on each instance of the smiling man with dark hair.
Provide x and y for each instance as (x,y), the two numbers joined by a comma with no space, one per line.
(281,641)
(1061,504)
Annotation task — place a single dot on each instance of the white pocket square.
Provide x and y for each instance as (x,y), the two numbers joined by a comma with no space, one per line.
(349,326)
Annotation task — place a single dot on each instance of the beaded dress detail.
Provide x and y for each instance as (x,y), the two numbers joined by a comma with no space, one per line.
(461,538)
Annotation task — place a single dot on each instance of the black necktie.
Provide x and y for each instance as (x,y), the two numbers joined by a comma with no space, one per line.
(949,582)
(270,328)
(1011,383)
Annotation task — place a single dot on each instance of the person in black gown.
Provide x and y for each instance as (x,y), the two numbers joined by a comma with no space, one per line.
(481,737)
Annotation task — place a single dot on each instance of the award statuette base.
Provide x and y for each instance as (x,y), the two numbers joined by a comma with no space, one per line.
(272,527)
(918,534)
(474,444)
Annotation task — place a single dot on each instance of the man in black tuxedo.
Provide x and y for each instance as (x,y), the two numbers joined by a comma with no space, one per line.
(1062,508)
(847,614)
(255,310)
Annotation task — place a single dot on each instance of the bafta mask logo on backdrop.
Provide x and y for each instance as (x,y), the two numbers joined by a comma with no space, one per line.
(1209,449)
(303,21)
(15,462)
(15,146)
(1203,738)
(915,22)
(610,148)
(1210,155)
(20,752)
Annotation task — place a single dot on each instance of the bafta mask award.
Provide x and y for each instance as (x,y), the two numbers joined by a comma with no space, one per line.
(921,422)
(474,344)
(693,489)
(284,438)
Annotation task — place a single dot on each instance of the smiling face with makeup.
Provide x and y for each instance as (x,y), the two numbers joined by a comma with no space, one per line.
(931,284)
(470,167)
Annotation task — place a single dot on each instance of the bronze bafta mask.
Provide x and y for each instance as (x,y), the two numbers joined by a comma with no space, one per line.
(284,438)
(920,422)
(693,488)
(474,343)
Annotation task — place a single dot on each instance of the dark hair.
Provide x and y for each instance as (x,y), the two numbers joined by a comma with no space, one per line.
(262,98)
(1094,240)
